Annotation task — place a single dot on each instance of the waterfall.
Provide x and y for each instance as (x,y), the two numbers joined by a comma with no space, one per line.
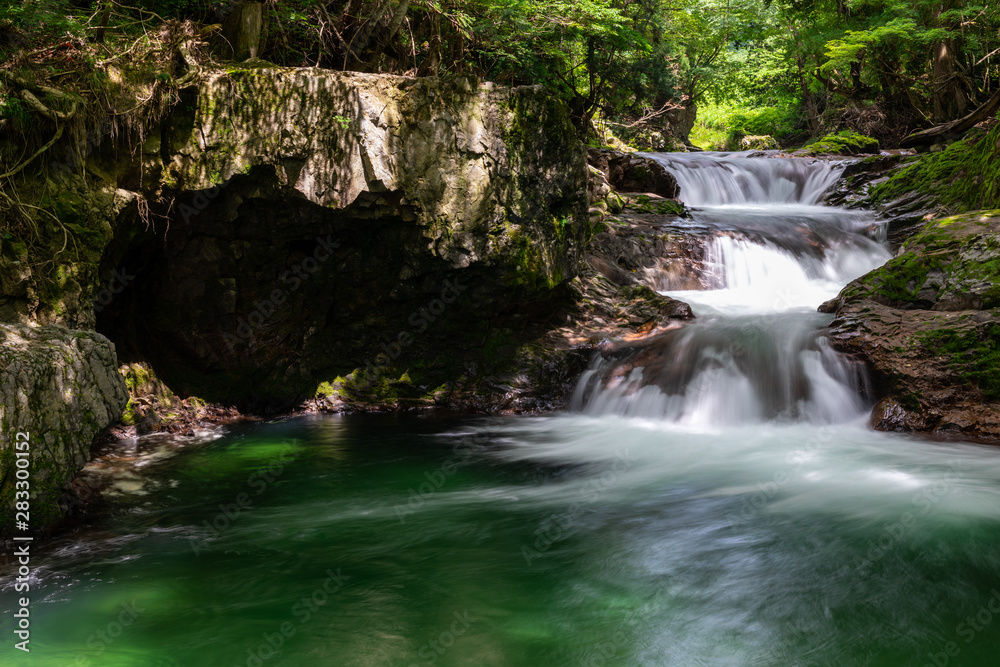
(714,179)
(756,352)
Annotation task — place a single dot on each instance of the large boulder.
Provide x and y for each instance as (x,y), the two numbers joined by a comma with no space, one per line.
(61,387)
(324,223)
(928,325)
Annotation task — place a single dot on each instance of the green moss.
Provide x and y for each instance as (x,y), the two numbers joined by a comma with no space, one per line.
(327,390)
(844,142)
(953,248)
(136,377)
(897,281)
(360,386)
(963,177)
(758,142)
(974,354)
(131,416)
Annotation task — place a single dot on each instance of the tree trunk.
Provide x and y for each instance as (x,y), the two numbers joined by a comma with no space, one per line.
(808,99)
(102,26)
(432,63)
(397,19)
(682,120)
(949,100)
(364,35)
(242,30)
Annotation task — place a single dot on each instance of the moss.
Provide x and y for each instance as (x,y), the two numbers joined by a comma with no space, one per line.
(137,376)
(327,390)
(975,355)
(758,142)
(953,248)
(131,416)
(645,204)
(844,142)
(897,281)
(963,177)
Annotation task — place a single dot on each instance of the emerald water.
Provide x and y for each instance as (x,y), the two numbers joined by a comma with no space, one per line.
(714,499)
(559,540)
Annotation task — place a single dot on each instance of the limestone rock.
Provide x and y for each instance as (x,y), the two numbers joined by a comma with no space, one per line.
(325,222)
(62,388)
(627,172)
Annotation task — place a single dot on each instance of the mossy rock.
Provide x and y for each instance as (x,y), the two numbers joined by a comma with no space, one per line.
(60,387)
(927,324)
(963,177)
(758,142)
(950,264)
(844,142)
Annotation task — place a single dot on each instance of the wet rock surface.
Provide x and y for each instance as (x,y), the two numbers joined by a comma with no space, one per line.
(629,172)
(928,326)
(610,301)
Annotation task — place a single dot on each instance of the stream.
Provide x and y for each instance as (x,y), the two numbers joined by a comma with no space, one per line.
(715,498)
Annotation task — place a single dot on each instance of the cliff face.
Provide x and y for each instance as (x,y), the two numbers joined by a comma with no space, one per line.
(327,224)
(285,227)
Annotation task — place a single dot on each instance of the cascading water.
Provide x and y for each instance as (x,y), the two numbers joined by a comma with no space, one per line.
(716,179)
(756,351)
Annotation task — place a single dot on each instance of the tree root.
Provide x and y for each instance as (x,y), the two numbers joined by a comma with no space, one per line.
(194,69)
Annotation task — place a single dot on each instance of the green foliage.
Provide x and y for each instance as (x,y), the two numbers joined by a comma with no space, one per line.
(180,9)
(722,125)
(53,19)
(14,110)
(788,69)
(896,35)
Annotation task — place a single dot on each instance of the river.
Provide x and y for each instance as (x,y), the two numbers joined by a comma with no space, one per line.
(716,498)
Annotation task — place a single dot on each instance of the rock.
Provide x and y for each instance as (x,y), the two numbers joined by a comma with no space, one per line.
(611,300)
(381,241)
(755,142)
(682,121)
(627,172)
(928,326)
(844,142)
(859,182)
(62,388)
(597,185)
(653,141)
(326,223)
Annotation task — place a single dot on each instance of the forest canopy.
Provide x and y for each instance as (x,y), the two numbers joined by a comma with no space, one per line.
(791,69)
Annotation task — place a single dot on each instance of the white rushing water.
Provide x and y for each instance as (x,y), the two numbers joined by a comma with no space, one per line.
(756,352)
(715,179)
(732,458)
